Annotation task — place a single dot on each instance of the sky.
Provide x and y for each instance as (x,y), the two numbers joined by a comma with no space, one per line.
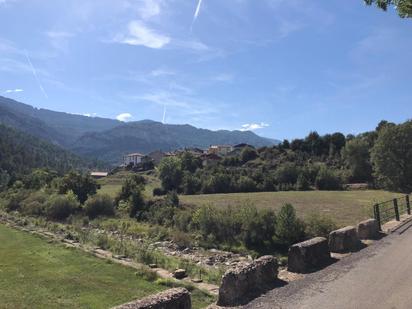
(280,68)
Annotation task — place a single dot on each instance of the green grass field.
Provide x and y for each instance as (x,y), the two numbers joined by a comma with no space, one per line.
(345,207)
(36,274)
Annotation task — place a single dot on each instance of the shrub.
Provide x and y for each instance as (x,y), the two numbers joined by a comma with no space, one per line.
(289,228)
(59,207)
(302,183)
(172,199)
(14,199)
(319,225)
(287,173)
(246,184)
(99,205)
(158,192)
(181,239)
(327,180)
(35,204)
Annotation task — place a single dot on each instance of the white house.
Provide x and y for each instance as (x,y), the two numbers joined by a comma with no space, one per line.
(134,158)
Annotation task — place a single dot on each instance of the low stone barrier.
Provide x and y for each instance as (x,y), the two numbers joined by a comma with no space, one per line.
(368,229)
(344,240)
(309,255)
(240,285)
(178,298)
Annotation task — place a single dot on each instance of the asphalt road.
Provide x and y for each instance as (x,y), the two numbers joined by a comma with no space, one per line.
(379,276)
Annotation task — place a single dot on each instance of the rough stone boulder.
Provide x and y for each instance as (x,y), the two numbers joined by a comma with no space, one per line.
(170,299)
(368,229)
(309,255)
(240,285)
(179,273)
(344,240)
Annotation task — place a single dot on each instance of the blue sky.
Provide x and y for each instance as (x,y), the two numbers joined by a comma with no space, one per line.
(279,67)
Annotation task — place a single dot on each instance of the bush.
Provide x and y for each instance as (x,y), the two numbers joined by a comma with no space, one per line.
(327,180)
(319,225)
(289,228)
(172,199)
(158,192)
(99,205)
(59,207)
(35,204)
(246,184)
(302,183)
(14,199)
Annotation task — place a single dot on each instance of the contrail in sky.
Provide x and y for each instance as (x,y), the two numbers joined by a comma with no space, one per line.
(164,114)
(35,75)
(196,15)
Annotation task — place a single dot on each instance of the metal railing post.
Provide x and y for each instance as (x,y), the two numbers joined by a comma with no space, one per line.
(395,206)
(408,205)
(377,215)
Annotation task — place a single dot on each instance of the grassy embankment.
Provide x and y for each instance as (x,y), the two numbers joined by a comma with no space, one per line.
(38,274)
(345,207)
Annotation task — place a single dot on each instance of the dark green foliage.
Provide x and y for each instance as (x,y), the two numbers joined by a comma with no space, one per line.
(191,184)
(132,194)
(99,205)
(248,154)
(289,229)
(160,192)
(302,184)
(170,173)
(60,207)
(20,153)
(392,157)
(357,158)
(35,204)
(39,178)
(4,180)
(404,7)
(287,173)
(328,180)
(172,199)
(189,162)
(82,185)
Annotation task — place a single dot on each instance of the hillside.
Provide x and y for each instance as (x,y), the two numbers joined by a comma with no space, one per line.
(146,136)
(108,139)
(21,152)
(58,127)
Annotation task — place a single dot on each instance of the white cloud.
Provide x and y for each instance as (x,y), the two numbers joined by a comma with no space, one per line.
(124,117)
(161,72)
(13,90)
(197,11)
(253,126)
(59,34)
(91,114)
(149,9)
(140,34)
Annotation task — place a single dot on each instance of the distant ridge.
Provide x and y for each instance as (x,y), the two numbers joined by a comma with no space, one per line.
(108,139)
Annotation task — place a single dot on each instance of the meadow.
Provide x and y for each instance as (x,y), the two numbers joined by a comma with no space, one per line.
(38,274)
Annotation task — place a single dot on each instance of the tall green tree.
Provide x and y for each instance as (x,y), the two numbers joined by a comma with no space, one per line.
(404,7)
(392,157)
(357,158)
(171,173)
(82,185)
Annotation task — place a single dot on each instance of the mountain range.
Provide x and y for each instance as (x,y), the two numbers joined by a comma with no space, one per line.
(109,139)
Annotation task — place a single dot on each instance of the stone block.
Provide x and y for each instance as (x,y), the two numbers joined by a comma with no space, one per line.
(309,255)
(344,240)
(368,229)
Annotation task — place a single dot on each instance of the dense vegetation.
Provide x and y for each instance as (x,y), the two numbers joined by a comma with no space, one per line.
(20,153)
(380,158)
(404,7)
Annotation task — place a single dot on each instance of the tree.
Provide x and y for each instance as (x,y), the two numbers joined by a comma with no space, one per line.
(392,157)
(357,158)
(327,179)
(4,180)
(404,7)
(189,162)
(132,194)
(289,228)
(82,185)
(248,154)
(170,173)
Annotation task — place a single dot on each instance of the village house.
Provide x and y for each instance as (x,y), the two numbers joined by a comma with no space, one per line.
(133,158)
(220,150)
(98,175)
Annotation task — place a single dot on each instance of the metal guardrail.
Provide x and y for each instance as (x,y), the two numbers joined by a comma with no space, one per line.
(393,209)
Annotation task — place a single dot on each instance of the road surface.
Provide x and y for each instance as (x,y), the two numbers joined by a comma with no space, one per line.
(378,277)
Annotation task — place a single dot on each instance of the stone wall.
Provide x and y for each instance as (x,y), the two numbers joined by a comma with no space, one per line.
(178,298)
(309,255)
(344,240)
(240,285)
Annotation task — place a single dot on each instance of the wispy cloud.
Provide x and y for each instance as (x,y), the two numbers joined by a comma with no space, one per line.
(223,77)
(253,126)
(124,117)
(141,34)
(162,72)
(149,8)
(35,75)
(13,90)
(90,114)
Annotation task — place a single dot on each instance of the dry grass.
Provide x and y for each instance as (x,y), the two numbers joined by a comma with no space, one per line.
(345,207)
